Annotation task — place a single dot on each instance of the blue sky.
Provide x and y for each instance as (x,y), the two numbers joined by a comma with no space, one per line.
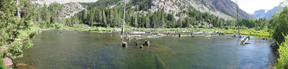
(252,5)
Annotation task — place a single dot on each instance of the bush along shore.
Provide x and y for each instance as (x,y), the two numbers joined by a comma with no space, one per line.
(15,46)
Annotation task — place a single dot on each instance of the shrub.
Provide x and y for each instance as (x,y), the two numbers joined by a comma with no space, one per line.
(195,26)
(58,26)
(283,53)
(227,27)
(42,24)
(52,26)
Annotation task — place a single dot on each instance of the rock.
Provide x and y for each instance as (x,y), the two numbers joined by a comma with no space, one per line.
(263,39)
(240,37)
(21,65)
(7,61)
(124,44)
(146,43)
(234,35)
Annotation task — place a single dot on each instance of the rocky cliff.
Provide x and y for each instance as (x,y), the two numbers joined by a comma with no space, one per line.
(230,8)
(222,8)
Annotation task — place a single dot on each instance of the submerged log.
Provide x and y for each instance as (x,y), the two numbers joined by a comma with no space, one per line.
(124,44)
(21,65)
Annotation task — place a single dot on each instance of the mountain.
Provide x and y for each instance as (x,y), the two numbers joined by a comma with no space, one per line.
(229,7)
(263,14)
(221,8)
(61,1)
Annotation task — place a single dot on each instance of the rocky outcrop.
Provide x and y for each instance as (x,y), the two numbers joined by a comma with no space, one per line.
(216,7)
(61,1)
(230,8)
(72,8)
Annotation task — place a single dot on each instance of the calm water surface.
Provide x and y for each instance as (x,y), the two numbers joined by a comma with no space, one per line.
(82,50)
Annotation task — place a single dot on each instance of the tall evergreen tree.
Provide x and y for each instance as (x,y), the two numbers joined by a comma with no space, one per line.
(46,14)
(104,18)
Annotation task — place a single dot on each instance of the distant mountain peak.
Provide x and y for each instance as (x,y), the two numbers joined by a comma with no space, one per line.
(264,13)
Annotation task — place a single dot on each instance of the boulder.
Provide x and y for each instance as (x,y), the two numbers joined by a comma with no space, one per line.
(7,61)
(124,44)
(21,65)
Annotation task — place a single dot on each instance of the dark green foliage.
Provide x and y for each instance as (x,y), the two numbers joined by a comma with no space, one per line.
(283,51)
(280,26)
(12,26)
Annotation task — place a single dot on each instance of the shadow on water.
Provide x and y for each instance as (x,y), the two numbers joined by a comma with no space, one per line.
(82,50)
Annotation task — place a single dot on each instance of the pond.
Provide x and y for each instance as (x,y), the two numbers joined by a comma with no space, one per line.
(83,50)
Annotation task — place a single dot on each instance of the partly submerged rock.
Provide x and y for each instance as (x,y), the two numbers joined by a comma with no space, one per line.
(7,61)
(124,44)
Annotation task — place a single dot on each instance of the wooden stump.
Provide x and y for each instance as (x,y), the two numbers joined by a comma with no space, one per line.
(141,46)
(147,43)
(136,43)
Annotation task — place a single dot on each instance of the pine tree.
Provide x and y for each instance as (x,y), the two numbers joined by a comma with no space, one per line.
(180,22)
(162,19)
(135,20)
(68,21)
(46,14)
(104,19)
(147,21)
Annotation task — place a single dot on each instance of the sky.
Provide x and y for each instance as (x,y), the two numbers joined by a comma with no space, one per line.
(250,6)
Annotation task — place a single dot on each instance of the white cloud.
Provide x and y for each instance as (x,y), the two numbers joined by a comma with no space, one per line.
(252,5)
